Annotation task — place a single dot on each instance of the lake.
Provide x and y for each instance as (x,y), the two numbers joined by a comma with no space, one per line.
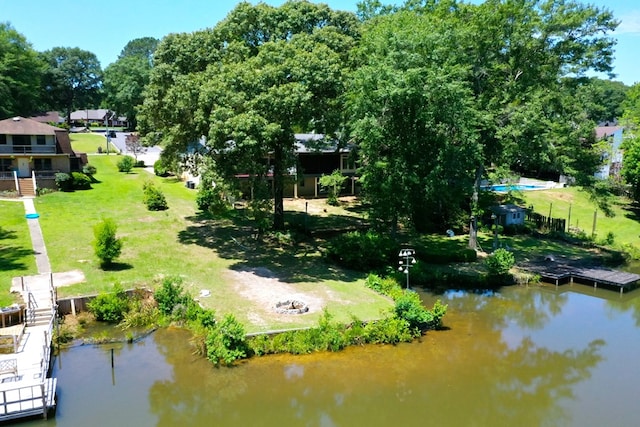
(526,356)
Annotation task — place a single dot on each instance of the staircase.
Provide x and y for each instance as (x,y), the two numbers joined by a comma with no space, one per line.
(26,187)
(39,316)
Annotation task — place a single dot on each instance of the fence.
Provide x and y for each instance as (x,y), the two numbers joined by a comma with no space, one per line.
(545,222)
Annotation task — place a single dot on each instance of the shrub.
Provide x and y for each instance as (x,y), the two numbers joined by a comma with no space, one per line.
(139,164)
(226,341)
(125,164)
(106,245)
(110,307)
(170,294)
(81,181)
(153,197)
(363,251)
(89,170)
(64,181)
(211,199)
(500,262)
(160,168)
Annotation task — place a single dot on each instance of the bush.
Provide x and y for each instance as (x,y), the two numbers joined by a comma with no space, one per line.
(153,197)
(110,307)
(139,164)
(500,262)
(226,342)
(160,168)
(89,170)
(170,294)
(125,164)
(363,251)
(64,181)
(106,245)
(81,181)
(211,199)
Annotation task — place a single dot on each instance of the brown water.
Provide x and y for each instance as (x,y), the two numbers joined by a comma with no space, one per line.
(532,356)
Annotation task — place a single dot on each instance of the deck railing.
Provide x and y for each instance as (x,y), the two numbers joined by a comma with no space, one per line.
(28,149)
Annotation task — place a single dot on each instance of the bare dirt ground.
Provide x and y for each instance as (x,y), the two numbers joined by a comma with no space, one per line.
(264,290)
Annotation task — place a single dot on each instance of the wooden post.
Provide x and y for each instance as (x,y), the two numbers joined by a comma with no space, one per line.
(569,219)
(595,217)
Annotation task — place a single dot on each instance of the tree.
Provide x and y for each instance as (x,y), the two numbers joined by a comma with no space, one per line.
(333,183)
(126,79)
(106,245)
(263,72)
(20,74)
(72,79)
(631,145)
(134,145)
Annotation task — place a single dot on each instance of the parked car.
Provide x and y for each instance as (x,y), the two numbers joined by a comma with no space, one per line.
(111,134)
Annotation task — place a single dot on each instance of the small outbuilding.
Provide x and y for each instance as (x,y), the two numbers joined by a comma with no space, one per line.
(506,215)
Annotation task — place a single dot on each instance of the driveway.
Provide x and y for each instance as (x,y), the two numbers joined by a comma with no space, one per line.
(150,156)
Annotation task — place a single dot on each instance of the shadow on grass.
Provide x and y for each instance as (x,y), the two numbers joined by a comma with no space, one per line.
(7,234)
(116,266)
(291,259)
(11,257)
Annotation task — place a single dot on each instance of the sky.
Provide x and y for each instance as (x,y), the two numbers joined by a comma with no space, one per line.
(104,28)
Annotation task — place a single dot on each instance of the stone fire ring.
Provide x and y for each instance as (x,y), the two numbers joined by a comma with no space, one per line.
(291,307)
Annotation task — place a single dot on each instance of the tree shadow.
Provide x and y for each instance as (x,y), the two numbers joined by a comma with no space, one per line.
(116,266)
(11,257)
(292,257)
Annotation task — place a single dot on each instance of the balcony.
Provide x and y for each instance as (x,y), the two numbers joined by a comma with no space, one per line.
(27,149)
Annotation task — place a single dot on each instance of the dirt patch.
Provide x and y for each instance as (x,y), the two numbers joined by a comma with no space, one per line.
(264,289)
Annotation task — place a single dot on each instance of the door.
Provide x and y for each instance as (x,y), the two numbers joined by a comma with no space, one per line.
(23,167)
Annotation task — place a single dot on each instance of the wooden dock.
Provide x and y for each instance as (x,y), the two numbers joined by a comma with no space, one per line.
(26,390)
(561,273)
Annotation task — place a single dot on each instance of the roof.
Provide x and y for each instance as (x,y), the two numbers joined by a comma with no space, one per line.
(63,142)
(605,131)
(506,209)
(99,114)
(48,117)
(22,126)
(317,143)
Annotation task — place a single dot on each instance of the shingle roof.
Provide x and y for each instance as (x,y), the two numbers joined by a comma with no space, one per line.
(605,131)
(22,126)
(99,114)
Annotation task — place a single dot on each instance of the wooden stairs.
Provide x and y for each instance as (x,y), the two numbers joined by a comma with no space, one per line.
(26,187)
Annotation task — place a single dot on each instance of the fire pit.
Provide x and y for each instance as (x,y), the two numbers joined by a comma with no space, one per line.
(291,307)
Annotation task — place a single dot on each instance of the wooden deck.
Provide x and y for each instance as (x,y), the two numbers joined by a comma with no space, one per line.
(561,273)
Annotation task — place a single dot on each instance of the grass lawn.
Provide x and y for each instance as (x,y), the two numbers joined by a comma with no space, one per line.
(178,242)
(89,143)
(16,251)
(624,224)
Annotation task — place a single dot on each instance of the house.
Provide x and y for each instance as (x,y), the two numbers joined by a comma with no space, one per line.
(612,158)
(99,117)
(49,117)
(314,155)
(317,156)
(31,153)
(508,215)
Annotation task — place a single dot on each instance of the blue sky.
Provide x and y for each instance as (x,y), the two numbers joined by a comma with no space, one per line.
(104,28)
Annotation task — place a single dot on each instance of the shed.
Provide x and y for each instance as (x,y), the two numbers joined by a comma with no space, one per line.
(509,214)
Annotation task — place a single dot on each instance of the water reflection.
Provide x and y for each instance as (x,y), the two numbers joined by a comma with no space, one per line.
(523,356)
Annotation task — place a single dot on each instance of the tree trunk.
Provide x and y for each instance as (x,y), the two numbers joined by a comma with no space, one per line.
(473,224)
(278,188)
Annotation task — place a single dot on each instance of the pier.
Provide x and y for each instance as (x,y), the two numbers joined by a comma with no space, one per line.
(561,273)
(26,390)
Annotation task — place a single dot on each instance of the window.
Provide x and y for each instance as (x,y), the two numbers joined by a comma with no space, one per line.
(41,140)
(3,139)
(5,165)
(42,164)
(21,140)
(347,163)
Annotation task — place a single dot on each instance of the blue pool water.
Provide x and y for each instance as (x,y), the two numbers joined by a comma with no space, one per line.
(515,187)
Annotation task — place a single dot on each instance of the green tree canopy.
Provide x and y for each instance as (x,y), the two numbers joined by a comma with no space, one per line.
(248,83)
(20,74)
(72,79)
(126,79)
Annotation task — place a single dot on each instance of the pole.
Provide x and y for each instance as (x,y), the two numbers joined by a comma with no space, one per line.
(569,219)
(595,217)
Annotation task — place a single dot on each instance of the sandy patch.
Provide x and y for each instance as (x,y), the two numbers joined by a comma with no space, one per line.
(263,288)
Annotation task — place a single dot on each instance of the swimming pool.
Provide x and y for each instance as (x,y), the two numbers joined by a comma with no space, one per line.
(503,188)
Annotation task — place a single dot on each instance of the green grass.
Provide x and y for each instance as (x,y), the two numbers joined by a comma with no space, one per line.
(179,242)
(89,143)
(624,224)
(16,251)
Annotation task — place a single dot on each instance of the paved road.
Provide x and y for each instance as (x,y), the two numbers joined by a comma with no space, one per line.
(150,156)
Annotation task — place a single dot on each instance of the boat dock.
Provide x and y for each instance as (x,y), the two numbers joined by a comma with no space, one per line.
(25,388)
(561,273)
